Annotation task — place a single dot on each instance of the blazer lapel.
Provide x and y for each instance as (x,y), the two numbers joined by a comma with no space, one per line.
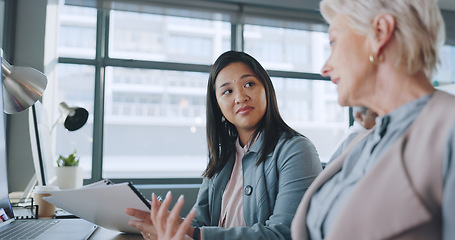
(299,229)
(383,204)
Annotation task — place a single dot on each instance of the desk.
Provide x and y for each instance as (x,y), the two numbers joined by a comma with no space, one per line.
(100,233)
(106,234)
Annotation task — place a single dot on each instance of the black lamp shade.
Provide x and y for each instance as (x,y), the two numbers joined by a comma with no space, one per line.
(77,120)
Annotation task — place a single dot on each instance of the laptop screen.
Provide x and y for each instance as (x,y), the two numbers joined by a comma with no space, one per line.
(6,211)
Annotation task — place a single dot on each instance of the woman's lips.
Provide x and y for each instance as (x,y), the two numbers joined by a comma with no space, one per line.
(244,110)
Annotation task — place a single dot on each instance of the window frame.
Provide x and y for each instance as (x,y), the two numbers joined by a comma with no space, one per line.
(103,60)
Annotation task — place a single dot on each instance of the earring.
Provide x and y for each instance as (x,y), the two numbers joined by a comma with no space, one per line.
(371,58)
(375,60)
(223,119)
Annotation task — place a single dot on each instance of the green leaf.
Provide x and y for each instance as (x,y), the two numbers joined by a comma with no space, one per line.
(71,160)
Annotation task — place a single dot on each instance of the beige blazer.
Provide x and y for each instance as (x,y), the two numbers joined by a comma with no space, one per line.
(400,197)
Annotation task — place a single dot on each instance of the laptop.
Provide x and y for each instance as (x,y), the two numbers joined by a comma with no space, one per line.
(45,229)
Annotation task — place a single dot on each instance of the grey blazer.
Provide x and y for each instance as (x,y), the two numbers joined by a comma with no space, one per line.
(272,191)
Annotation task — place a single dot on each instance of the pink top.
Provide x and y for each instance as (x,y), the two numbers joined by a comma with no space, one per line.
(232,202)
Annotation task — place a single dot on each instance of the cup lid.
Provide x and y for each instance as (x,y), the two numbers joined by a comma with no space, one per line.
(45,189)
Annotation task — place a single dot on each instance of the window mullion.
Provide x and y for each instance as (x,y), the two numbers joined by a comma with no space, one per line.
(102,32)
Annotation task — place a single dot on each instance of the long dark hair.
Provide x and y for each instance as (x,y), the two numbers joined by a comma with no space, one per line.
(221,135)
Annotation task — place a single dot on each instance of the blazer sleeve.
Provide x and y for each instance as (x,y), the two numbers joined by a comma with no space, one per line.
(448,200)
(297,165)
(202,217)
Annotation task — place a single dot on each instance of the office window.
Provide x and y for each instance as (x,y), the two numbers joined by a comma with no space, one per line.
(154,126)
(153,78)
(311,108)
(146,36)
(75,87)
(77,37)
(287,49)
(446,70)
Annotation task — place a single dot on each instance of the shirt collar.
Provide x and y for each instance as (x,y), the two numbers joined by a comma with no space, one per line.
(401,117)
(251,145)
(357,125)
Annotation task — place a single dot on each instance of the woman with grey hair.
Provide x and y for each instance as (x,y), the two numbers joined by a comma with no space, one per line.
(396,181)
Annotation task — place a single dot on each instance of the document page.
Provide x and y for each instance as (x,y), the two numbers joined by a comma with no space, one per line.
(102,204)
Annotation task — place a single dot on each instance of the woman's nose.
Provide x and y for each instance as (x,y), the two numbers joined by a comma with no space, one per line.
(241,97)
(325,71)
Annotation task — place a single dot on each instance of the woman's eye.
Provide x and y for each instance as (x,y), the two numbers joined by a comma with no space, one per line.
(250,84)
(227,92)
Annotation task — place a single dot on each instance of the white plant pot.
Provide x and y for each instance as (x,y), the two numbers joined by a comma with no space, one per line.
(69,177)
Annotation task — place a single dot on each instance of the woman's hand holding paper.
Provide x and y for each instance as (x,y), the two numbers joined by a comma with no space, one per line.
(144,225)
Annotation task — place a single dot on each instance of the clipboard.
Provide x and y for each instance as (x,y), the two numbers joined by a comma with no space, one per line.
(102,203)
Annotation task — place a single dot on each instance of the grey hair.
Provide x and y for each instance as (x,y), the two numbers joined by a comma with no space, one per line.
(419,32)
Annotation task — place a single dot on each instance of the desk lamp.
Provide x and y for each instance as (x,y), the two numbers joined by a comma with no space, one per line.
(74,117)
(23,86)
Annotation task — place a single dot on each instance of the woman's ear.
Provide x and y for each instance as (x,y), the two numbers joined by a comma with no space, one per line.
(384,27)
(359,117)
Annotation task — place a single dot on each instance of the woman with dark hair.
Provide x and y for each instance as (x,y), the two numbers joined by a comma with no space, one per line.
(258,169)
(221,134)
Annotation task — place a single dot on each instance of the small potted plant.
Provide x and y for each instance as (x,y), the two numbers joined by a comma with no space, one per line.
(71,160)
(69,174)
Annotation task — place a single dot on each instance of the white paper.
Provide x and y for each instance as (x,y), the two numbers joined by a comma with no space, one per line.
(102,205)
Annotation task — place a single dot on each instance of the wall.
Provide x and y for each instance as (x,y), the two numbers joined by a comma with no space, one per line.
(28,51)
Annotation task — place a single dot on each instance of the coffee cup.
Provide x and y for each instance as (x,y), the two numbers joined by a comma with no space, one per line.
(45,209)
